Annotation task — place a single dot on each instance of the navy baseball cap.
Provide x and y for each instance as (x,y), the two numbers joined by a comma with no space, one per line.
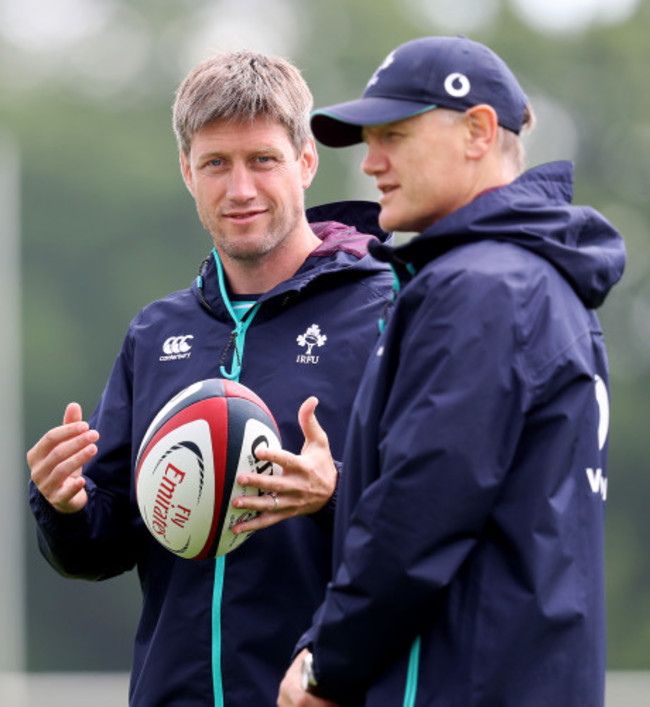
(426,73)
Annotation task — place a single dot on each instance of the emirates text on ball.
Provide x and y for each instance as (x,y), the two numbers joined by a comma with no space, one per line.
(172,477)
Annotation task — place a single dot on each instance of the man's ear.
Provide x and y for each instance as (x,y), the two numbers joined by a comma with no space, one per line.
(186,171)
(308,162)
(483,127)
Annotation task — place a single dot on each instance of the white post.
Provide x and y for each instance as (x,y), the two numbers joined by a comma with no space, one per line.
(14,479)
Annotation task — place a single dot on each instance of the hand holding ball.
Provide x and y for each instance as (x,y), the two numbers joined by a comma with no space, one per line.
(189,461)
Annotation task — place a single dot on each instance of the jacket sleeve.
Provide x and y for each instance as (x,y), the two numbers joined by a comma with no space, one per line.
(447,433)
(101,540)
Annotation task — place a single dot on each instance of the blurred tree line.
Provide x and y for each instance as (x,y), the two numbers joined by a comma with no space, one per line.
(107,225)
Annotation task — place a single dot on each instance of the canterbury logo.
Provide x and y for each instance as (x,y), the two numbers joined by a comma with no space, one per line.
(177,347)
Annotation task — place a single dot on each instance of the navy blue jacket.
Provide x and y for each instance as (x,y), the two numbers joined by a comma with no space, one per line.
(468,546)
(222,632)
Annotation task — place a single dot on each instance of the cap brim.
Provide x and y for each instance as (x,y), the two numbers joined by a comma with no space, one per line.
(340,125)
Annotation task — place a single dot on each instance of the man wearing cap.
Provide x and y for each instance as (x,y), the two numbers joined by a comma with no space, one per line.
(468,550)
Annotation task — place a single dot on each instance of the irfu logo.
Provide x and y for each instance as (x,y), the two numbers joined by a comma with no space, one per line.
(310,339)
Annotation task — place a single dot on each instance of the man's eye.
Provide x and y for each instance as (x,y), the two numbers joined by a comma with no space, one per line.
(266,161)
(215,162)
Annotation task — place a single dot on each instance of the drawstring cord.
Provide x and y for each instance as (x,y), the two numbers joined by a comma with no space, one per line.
(236,366)
(238,334)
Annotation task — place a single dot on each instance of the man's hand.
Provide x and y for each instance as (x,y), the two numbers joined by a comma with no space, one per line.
(307,482)
(291,692)
(57,459)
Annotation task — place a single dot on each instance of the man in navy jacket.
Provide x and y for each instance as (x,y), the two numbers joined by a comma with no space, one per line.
(468,547)
(222,632)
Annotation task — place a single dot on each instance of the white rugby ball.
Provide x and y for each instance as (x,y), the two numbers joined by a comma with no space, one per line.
(189,461)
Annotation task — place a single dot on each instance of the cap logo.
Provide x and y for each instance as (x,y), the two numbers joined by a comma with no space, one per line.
(384,65)
(457,85)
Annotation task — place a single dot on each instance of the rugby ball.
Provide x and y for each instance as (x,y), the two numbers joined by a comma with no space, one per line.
(189,460)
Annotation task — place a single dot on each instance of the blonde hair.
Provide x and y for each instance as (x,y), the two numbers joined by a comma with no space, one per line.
(241,86)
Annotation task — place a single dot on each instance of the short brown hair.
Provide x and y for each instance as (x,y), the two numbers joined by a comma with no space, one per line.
(241,86)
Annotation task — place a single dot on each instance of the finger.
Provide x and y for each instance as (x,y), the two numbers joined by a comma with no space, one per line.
(309,424)
(66,460)
(63,486)
(266,483)
(264,502)
(70,496)
(276,456)
(62,444)
(71,456)
(72,413)
(261,521)
(53,438)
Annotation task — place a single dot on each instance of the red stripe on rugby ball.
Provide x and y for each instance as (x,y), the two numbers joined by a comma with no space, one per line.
(237,390)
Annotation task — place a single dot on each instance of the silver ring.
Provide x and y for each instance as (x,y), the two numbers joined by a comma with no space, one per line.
(275,501)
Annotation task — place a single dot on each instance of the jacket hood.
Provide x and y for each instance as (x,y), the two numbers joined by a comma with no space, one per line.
(345,229)
(534,212)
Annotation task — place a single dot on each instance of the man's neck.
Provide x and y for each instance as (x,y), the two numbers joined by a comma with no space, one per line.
(268,271)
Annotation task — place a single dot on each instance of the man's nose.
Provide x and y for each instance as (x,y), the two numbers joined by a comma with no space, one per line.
(374,162)
(241,183)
